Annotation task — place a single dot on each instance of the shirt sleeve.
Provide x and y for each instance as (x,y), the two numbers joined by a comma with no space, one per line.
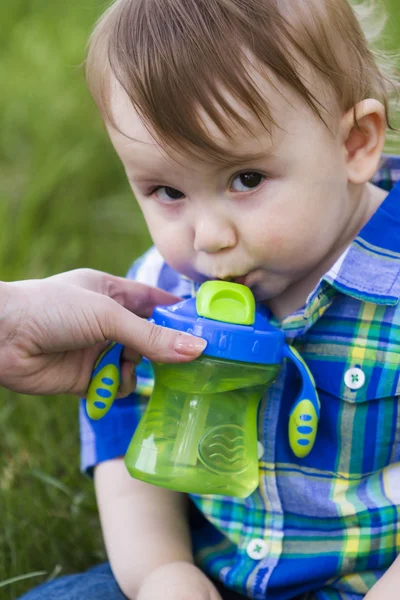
(109,437)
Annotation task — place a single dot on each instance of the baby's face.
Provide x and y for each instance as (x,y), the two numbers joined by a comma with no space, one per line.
(267,222)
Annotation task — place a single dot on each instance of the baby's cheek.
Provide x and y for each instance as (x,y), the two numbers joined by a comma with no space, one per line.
(281,239)
(267,243)
(174,248)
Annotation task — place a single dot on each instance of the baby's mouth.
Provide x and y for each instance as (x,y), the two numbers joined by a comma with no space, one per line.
(241,279)
(235,279)
(248,279)
(253,280)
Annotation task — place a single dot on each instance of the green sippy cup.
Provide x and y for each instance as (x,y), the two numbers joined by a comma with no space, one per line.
(199,431)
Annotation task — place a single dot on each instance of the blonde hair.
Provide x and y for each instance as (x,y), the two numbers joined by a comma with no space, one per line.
(176,59)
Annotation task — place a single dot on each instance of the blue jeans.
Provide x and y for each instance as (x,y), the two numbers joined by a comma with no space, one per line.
(96,584)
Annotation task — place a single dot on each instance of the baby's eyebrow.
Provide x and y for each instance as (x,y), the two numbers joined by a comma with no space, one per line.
(226,162)
(237,160)
(150,179)
(143,175)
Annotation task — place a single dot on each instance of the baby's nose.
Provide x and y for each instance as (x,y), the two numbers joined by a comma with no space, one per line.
(214,234)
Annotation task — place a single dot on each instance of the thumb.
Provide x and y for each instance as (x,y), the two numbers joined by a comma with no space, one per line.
(160,344)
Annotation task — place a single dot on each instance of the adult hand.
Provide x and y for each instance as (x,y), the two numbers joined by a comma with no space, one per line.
(178,581)
(52,330)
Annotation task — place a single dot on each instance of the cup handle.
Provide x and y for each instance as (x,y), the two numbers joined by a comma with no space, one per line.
(104,383)
(305,413)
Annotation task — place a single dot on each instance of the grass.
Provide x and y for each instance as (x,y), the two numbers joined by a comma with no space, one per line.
(64,203)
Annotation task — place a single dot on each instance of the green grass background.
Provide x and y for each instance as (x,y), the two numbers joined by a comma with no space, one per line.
(64,203)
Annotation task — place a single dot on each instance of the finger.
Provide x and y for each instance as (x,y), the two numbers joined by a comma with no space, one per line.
(136,297)
(128,379)
(157,343)
(132,355)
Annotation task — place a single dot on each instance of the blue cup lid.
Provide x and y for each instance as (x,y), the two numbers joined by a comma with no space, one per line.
(256,342)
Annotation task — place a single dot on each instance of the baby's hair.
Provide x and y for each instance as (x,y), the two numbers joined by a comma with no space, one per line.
(179,59)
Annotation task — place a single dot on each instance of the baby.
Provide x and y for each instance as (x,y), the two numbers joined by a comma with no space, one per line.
(250,131)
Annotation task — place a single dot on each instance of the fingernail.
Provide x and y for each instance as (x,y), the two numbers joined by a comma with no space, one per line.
(189,345)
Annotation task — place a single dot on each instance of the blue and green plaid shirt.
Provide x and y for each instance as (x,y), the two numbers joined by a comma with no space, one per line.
(328,525)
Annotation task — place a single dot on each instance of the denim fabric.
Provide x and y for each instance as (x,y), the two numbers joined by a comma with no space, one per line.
(96,584)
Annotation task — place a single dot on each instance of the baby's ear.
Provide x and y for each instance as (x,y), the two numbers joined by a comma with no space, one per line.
(363,143)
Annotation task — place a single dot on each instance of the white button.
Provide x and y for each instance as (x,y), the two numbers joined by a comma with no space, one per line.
(257,549)
(354,378)
(260,450)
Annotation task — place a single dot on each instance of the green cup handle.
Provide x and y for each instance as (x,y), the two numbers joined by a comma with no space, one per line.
(305,413)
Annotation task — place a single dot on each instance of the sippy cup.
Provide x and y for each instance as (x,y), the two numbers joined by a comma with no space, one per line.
(199,431)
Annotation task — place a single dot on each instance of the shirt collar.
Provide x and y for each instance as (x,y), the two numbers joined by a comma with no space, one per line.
(370,268)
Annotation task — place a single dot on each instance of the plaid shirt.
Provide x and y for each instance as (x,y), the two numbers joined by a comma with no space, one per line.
(327,526)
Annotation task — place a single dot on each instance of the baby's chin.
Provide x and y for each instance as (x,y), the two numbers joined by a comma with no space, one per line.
(265,286)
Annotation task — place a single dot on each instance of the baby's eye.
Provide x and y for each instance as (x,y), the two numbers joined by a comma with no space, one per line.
(247,181)
(168,194)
